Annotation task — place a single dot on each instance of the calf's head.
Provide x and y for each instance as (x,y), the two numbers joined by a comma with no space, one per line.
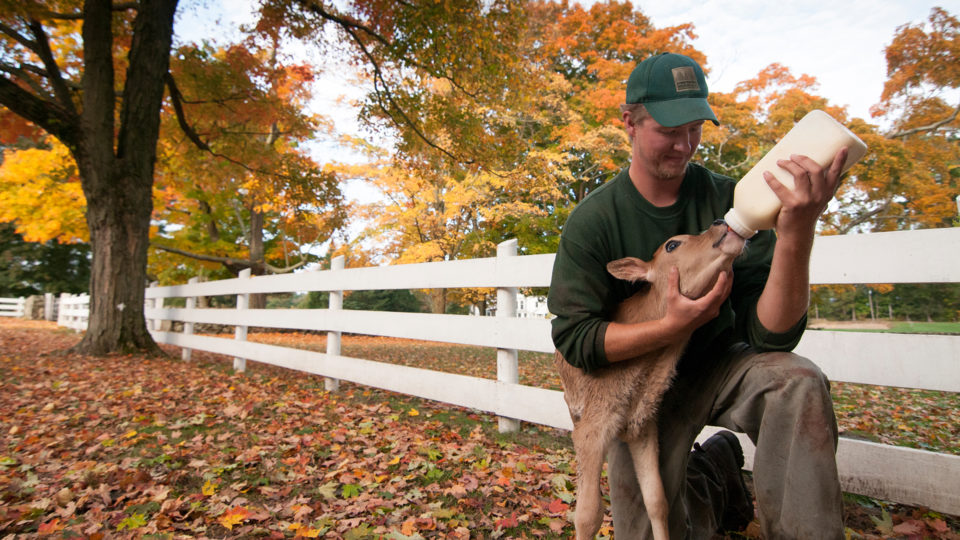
(699,258)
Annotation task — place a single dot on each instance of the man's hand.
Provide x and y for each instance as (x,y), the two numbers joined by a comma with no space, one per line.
(814,187)
(623,341)
(786,295)
(684,315)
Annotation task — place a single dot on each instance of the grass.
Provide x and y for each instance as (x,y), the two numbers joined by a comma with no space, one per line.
(926,328)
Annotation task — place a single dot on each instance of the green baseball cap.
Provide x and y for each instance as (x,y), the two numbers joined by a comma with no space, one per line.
(673,89)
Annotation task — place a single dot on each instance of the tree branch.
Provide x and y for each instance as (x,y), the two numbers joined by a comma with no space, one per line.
(230,261)
(350,27)
(18,37)
(378,80)
(929,127)
(47,114)
(43,50)
(861,219)
(76,16)
(346,24)
(23,72)
(177,98)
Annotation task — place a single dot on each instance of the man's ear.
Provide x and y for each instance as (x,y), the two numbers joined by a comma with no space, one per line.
(629,269)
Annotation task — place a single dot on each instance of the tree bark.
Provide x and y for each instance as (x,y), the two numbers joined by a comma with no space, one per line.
(119,233)
(438,300)
(116,170)
(257,256)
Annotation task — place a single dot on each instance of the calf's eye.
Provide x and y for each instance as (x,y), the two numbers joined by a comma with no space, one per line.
(671,245)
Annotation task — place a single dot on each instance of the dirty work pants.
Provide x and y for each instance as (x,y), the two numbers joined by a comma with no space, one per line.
(782,402)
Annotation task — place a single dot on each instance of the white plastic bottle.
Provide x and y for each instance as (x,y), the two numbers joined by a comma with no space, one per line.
(818,136)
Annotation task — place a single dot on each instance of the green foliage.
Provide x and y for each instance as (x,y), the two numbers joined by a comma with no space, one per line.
(315,300)
(903,301)
(383,300)
(28,268)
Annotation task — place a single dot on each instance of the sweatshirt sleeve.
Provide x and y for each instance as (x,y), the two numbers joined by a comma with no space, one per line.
(578,289)
(749,280)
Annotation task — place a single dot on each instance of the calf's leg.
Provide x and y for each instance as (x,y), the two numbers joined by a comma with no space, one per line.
(589,447)
(646,464)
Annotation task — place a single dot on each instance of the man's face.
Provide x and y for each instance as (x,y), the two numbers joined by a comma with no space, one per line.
(664,151)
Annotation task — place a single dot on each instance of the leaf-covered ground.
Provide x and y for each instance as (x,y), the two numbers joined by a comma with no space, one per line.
(127,446)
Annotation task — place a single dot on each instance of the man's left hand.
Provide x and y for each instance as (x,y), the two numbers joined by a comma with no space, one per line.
(814,186)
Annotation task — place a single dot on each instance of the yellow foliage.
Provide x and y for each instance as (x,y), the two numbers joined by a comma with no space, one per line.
(40,190)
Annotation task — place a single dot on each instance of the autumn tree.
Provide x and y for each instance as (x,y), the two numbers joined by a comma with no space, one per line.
(543,145)
(93,75)
(593,51)
(102,103)
(237,188)
(444,81)
(914,182)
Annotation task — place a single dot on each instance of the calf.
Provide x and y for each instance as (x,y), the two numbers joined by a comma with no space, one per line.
(621,400)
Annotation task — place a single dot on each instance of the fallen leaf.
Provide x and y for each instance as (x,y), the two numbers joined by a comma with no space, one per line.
(910,528)
(557,506)
(51,527)
(409,527)
(209,488)
(884,523)
(938,525)
(234,516)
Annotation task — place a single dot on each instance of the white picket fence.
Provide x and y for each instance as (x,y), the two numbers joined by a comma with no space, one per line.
(914,361)
(73,311)
(12,307)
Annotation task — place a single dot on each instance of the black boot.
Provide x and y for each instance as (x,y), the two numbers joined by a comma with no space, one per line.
(722,455)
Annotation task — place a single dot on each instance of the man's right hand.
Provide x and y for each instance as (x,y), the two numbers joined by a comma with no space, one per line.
(684,315)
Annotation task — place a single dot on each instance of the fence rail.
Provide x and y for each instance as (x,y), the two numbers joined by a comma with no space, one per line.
(899,474)
(12,307)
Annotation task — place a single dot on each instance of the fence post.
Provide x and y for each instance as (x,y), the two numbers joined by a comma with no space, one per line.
(333,338)
(157,323)
(240,334)
(188,326)
(507,369)
(48,306)
(61,312)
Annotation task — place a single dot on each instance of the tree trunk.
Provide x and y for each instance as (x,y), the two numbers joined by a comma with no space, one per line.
(438,301)
(114,143)
(119,233)
(116,169)
(257,257)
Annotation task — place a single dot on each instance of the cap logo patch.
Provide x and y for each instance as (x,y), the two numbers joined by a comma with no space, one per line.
(685,79)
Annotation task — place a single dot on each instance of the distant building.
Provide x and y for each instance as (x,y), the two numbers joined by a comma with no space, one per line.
(528,307)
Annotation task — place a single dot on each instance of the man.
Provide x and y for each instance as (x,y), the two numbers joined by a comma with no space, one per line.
(737,371)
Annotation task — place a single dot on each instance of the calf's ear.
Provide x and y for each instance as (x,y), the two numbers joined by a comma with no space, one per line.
(629,269)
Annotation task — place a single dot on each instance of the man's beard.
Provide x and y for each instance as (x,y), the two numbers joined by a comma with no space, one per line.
(669,171)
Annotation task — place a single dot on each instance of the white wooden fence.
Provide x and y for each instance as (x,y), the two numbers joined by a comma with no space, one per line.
(73,311)
(12,307)
(915,361)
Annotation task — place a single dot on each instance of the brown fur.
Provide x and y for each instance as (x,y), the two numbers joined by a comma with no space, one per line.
(621,400)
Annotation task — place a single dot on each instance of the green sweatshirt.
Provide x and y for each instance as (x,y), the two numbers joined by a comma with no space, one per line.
(615,221)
